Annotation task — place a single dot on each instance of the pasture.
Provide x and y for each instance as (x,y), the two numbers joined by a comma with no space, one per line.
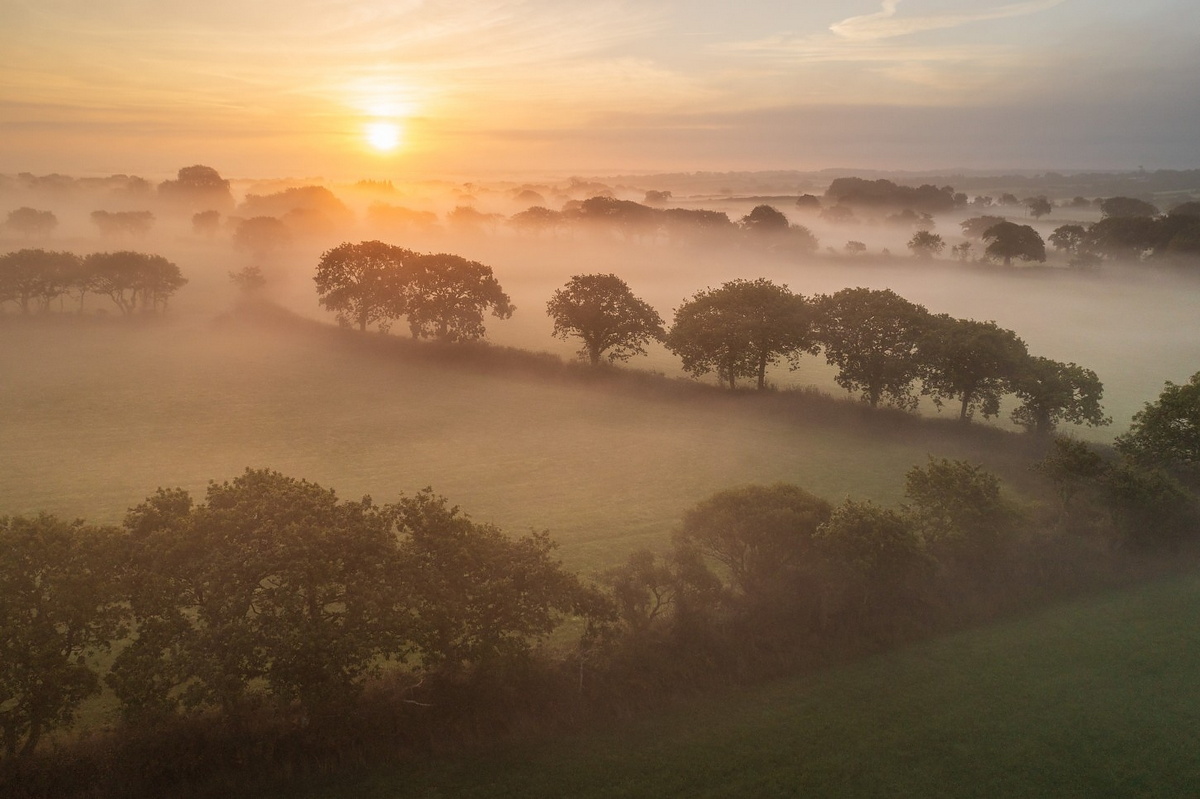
(1096,697)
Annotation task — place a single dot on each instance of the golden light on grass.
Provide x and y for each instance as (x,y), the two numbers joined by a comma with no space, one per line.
(383,137)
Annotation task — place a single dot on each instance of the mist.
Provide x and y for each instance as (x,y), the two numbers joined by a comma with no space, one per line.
(102,413)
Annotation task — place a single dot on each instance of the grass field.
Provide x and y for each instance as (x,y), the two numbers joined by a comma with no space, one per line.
(97,416)
(1096,698)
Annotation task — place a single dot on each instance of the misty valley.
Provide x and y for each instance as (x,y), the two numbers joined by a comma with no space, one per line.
(307,479)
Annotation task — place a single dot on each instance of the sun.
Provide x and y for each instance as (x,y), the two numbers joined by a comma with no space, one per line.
(383,136)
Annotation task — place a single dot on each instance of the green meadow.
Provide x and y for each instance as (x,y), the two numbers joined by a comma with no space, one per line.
(97,415)
(1099,697)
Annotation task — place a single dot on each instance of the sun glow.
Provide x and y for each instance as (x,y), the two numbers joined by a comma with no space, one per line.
(383,136)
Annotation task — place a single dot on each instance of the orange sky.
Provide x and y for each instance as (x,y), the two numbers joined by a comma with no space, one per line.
(517,86)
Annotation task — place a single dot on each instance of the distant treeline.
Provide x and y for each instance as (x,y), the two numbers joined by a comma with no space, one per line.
(34,280)
(275,629)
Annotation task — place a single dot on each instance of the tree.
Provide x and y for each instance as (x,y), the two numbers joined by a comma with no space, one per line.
(603,312)
(536,220)
(58,608)
(1072,467)
(740,329)
(117,223)
(973,361)
(206,223)
(644,589)
(477,597)
(33,278)
(197,188)
(249,280)
(976,226)
(134,280)
(855,248)
(765,220)
(1116,207)
(261,236)
(272,579)
(961,515)
(925,244)
(762,537)
(446,296)
(1068,238)
(1165,434)
(31,222)
(1122,236)
(1052,392)
(872,337)
(364,283)
(962,251)
(1038,206)
(878,571)
(1009,240)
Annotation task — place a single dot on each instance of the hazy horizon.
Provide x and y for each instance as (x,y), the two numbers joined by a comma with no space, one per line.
(415,90)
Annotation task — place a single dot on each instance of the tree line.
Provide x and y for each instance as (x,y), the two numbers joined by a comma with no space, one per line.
(882,344)
(273,623)
(34,279)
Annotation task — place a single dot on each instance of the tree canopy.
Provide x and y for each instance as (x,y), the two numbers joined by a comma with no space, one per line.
(604,314)
(364,283)
(872,337)
(58,608)
(975,362)
(1008,240)
(740,329)
(1166,432)
(446,296)
(1052,392)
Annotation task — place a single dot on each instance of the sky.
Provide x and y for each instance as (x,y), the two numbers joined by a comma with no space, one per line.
(349,89)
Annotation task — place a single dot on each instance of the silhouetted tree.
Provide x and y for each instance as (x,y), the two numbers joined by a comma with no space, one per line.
(34,278)
(975,362)
(206,223)
(602,311)
(1038,206)
(1122,236)
(1008,240)
(536,220)
(1052,392)
(976,226)
(872,337)
(116,223)
(1127,207)
(364,283)
(261,236)
(855,248)
(31,222)
(197,188)
(925,244)
(134,280)
(740,329)
(1068,238)
(446,296)
(765,220)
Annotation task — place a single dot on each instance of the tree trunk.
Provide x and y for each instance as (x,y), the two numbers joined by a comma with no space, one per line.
(964,415)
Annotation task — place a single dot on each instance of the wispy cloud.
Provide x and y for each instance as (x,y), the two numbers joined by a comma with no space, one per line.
(886,24)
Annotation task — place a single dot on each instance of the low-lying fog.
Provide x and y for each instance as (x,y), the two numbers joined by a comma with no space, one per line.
(94,421)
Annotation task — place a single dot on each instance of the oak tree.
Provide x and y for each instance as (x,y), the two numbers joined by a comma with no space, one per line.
(604,314)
